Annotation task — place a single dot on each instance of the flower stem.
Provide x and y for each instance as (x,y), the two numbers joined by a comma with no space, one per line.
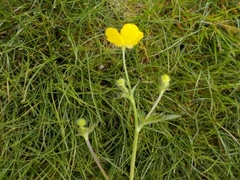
(95,157)
(155,103)
(135,141)
(125,67)
(136,120)
(134,152)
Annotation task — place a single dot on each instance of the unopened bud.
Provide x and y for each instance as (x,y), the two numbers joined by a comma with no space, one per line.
(120,82)
(165,80)
(81,122)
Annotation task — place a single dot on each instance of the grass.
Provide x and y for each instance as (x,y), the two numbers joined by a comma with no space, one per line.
(57,66)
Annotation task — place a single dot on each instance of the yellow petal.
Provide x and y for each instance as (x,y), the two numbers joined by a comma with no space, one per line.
(131,35)
(114,37)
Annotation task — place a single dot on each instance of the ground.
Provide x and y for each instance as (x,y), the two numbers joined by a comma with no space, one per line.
(57,66)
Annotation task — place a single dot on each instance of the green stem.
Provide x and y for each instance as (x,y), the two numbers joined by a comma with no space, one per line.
(155,103)
(134,152)
(125,67)
(137,127)
(135,141)
(95,157)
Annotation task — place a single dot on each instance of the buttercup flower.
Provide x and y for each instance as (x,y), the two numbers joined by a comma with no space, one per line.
(128,37)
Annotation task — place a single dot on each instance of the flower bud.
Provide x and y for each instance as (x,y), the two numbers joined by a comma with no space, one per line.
(165,80)
(81,122)
(120,82)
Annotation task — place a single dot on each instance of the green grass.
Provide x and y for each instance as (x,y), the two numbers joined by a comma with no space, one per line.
(51,53)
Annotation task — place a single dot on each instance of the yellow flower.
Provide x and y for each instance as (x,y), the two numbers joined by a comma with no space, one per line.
(128,37)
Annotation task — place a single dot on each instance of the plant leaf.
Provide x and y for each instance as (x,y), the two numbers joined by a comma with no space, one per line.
(159,118)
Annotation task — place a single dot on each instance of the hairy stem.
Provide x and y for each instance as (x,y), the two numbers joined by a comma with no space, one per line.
(136,120)
(155,103)
(125,67)
(95,158)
